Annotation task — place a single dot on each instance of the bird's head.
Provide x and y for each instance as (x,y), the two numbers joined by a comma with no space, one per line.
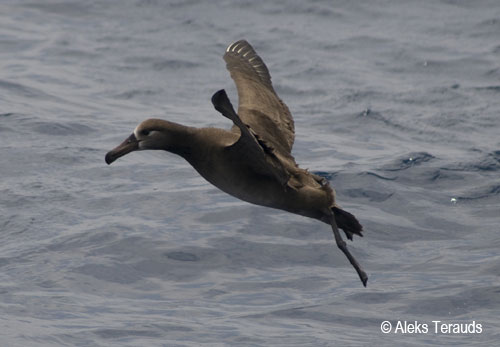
(150,134)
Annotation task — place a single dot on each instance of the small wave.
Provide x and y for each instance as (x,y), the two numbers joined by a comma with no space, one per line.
(370,114)
(495,72)
(22,89)
(156,63)
(482,193)
(135,92)
(60,8)
(173,64)
(494,88)
(368,173)
(413,159)
(292,91)
(372,195)
(314,10)
(182,256)
(489,162)
(64,129)
(302,9)
(439,175)
(124,333)
(487,28)
(78,54)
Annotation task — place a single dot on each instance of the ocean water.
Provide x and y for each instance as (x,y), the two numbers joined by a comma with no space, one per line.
(396,102)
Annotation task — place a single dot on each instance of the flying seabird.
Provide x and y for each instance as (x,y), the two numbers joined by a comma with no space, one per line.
(252,161)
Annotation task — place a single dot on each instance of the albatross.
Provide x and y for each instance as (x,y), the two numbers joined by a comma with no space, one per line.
(252,161)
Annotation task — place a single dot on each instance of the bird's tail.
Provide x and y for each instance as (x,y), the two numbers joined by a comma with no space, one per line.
(347,222)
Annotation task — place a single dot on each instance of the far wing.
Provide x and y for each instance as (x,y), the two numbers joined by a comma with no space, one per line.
(259,105)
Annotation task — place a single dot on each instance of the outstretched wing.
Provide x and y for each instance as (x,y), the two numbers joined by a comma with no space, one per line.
(259,107)
(249,147)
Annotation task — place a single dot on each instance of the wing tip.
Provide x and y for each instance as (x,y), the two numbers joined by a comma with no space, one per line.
(244,51)
(220,99)
(235,44)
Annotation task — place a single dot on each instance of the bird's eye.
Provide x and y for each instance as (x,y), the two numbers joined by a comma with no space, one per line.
(145,132)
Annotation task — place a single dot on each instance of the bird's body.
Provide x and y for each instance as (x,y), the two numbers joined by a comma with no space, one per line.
(252,161)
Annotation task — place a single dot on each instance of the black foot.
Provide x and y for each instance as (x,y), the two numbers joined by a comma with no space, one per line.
(343,247)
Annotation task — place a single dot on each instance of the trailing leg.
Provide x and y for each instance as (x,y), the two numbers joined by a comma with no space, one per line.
(343,247)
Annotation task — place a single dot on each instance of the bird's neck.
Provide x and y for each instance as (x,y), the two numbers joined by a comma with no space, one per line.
(180,138)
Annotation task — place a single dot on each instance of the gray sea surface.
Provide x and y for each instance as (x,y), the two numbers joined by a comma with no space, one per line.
(397,103)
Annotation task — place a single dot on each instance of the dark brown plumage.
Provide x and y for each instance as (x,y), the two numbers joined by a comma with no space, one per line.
(253,160)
